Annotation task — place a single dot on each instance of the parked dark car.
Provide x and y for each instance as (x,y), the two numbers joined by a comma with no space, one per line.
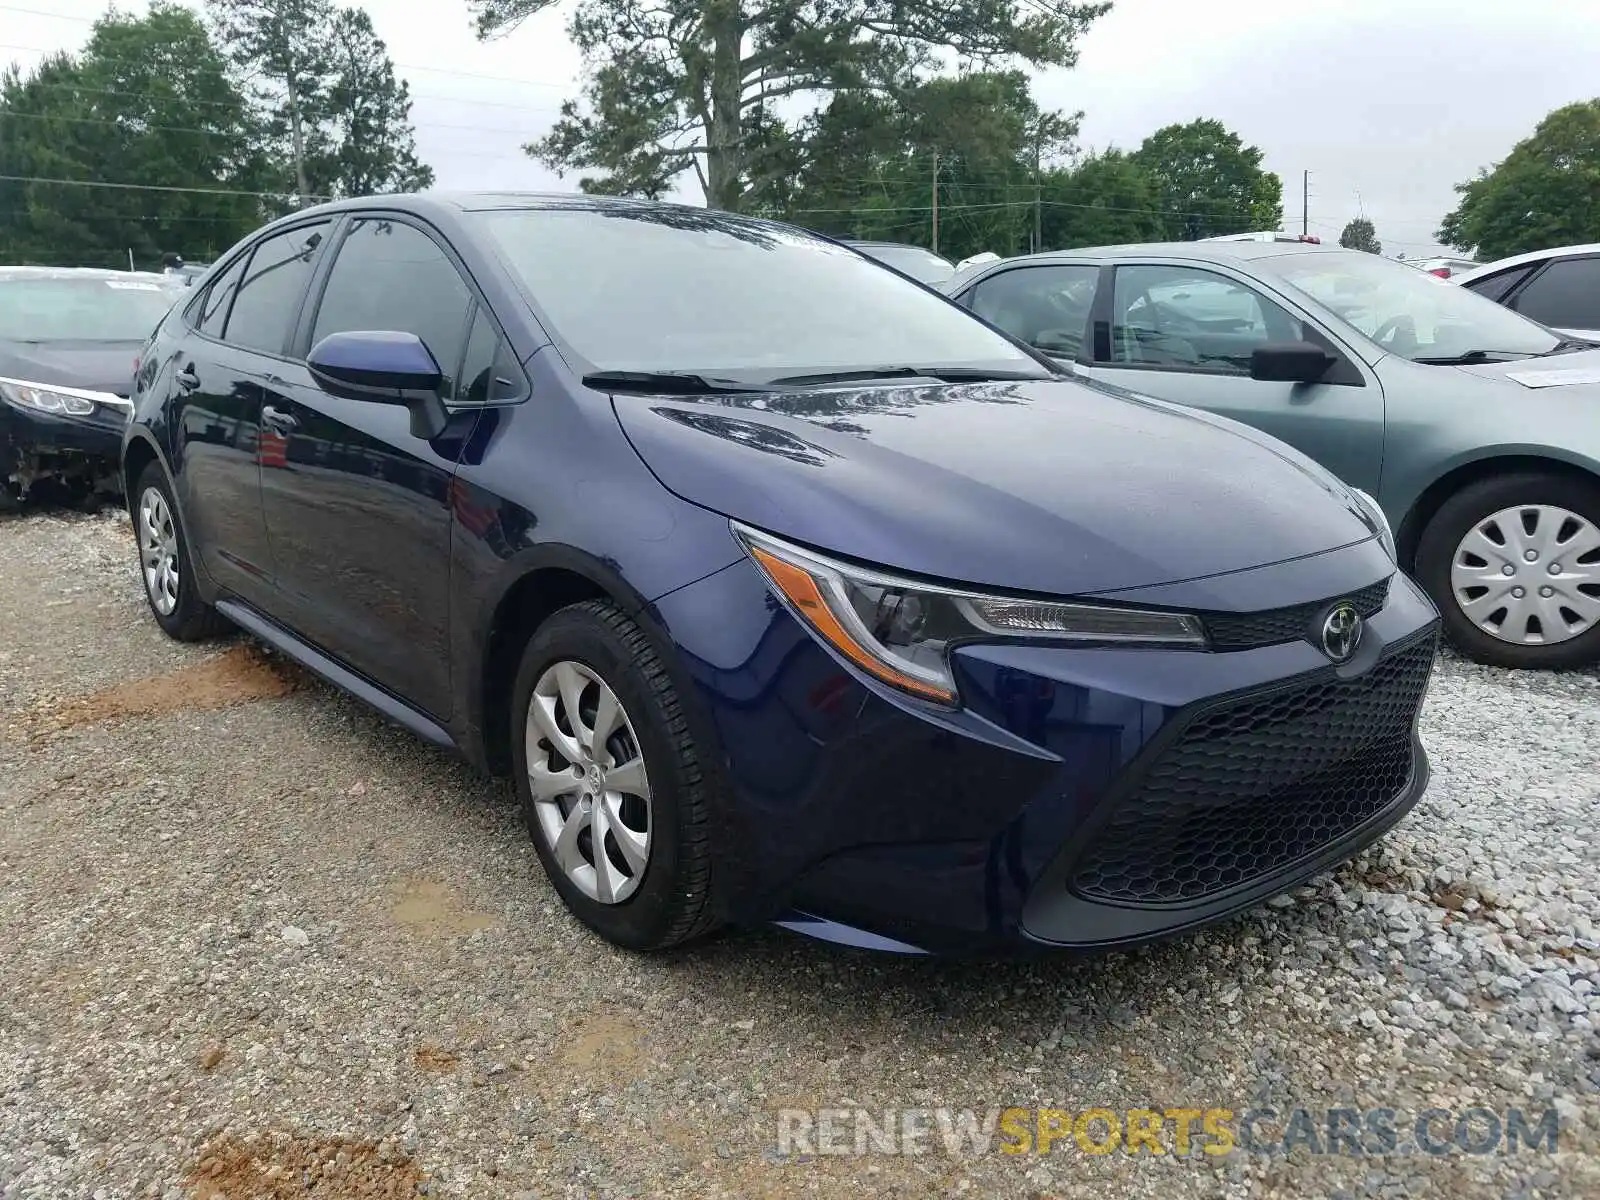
(68,338)
(916,261)
(783,588)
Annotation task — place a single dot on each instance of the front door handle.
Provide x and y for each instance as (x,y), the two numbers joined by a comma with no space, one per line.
(187,379)
(277,421)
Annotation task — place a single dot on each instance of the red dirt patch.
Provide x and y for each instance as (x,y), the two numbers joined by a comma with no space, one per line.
(434,1058)
(284,1166)
(236,676)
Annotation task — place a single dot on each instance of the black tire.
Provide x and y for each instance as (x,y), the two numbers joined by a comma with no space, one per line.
(672,902)
(1455,518)
(191,619)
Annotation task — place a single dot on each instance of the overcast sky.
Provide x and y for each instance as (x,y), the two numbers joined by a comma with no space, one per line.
(1389,100)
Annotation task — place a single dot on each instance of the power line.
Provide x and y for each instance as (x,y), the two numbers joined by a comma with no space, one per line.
(154,187)
(77,20)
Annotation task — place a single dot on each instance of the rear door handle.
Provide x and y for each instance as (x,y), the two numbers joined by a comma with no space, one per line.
(187,379)
(278,421)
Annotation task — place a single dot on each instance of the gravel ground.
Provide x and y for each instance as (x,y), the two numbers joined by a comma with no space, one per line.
(254,938)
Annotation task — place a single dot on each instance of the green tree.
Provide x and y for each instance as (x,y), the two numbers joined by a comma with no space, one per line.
(1359,234)
(149,103)
(360,140)
(868,164)
(326,94)
(675,85)
(1209,182)
(1105,200)
(281,46)
(1545,193)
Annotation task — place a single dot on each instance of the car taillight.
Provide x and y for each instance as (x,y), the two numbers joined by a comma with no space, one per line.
(1441,272)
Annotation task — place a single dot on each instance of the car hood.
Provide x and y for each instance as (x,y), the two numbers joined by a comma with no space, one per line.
(1579,368)
(1051,486)
(95,366)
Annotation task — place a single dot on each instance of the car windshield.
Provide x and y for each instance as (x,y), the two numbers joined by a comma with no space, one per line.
(914,261)
(1410,312)
(665,289)
(92,309)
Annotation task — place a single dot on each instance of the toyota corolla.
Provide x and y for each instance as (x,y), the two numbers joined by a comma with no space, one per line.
(784,589)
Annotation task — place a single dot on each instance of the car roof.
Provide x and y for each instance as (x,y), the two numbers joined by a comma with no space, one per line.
(10,272)
(1517,260)
(1199,251)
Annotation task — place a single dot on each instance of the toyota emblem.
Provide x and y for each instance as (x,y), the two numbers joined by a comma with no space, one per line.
(1341,631)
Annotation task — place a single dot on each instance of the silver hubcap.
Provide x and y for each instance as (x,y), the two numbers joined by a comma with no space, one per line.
(1529,575)
(158,551)
(590,792)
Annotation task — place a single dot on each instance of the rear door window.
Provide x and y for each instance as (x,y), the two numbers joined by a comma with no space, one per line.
(267,303)
(1047,307)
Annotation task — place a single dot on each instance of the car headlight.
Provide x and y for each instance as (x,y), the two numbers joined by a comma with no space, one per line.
(901,631)
(60,401)
(1380,523)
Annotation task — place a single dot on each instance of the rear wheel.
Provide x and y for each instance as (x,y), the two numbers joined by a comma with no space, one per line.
(611,782)
(166,564)
(1513,563)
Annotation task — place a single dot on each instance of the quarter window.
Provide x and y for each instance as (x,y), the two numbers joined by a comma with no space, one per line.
(1196,320)
(1499,285)
(1047,307)
(212,312)
(392,277)
(267,302)
(487,369)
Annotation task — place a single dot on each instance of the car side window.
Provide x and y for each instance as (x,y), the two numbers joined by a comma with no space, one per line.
(267,301)
(391,276)
(488,371)
(1497,286)
(1566,293)
(211,314)
(1184,318)
(1046,307)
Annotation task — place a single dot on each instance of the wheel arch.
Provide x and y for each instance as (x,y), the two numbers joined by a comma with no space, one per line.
(1428,502)
(536,585)
(140,451)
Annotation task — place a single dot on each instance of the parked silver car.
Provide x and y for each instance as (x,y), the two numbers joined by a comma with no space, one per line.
(1477,429)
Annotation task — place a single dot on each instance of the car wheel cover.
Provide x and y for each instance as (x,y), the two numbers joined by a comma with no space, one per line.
(586,773)
(158,551)
(1529,575)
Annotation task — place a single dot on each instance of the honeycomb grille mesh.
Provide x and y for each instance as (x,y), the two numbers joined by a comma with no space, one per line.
(1240,631)
(1253,787)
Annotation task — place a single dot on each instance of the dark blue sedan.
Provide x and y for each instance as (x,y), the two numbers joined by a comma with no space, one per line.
(785,589)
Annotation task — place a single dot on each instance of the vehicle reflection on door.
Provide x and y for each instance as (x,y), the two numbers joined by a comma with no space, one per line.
(359,519)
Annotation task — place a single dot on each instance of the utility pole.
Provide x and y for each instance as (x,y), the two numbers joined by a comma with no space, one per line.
(1038,191)
(936,202)
(1305,203)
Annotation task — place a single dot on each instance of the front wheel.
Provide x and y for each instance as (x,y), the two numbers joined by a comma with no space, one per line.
(1513,562)
(612,784)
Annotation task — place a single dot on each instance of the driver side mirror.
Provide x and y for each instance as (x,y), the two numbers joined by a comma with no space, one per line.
(1290,362)
(383,367)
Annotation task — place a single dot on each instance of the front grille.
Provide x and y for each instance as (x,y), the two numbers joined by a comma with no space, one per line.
(1241,631)
(1256,785)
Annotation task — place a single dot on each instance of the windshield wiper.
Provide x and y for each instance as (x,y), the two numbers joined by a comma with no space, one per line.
(943,374)
(674,383)
(1568,345)
(1473,356)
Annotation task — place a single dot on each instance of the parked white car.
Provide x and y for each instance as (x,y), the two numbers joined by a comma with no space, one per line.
(1559,288)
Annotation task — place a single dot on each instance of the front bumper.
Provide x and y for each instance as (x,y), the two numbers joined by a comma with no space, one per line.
(35,444)
(1081,798)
